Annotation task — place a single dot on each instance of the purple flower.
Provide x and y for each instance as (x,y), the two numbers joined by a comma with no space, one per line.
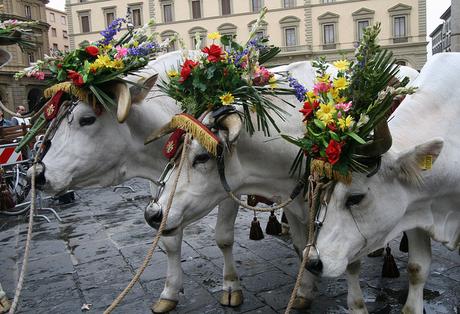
(111,30)
(143,50)
(299,89)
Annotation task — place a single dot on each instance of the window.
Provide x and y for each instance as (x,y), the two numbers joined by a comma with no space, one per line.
(63,20)
(226,7)
(327,1)
(53,32)
(201,34)
(196,9)
(64,34)
(288,3)
(169,34)
(229,30)
(136,14)
(361,27)
(83,1)
(52,17)
(109,17)
(55,47)
(167,13)
(262,30)
(399,26)
(66,48)
(290,36)
(328,34)
(28,11)
(256,5)
(85,24)
(31,57)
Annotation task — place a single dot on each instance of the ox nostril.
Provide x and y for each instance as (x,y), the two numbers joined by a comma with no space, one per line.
(40,179)
(315,266)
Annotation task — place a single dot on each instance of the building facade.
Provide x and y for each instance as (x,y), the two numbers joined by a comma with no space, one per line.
(58,33)
(25,92)
(304,29)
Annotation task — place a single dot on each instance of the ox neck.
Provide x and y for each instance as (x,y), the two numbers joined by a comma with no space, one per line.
(147,161)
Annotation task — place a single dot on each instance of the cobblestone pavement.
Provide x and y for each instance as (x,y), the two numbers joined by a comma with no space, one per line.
(91,256)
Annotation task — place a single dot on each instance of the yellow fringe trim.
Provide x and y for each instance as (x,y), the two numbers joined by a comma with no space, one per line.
(67,87)
(323,168)
(199,131)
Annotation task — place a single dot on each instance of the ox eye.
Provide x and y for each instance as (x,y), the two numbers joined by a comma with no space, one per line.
(354,199)
(86,121)
(201,159)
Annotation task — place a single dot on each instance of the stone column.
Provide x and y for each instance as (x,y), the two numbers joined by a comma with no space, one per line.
(455,24)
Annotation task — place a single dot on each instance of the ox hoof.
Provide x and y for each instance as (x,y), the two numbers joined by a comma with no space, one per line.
(4,304)
(301,303)
(164,306)
(376,253)
(233,298)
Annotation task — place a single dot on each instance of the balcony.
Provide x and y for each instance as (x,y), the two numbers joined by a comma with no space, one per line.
(398,40)
(294,48)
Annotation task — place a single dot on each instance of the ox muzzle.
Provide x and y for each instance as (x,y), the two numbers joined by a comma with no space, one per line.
(153,214)
(40,179)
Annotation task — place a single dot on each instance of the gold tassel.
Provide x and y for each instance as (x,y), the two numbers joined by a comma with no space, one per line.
(199,131)
(67,87)
(323,168)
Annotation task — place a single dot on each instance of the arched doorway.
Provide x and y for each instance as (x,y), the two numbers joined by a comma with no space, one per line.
(33,99)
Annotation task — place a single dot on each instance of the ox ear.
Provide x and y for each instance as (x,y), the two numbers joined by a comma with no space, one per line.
(410,164)
(123,100)
(142,88)
(230,127)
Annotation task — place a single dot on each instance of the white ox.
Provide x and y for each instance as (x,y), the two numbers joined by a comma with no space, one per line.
(400,197)
(97,151)
(253,165)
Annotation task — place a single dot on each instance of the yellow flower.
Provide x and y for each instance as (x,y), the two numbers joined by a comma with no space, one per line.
(214,36)
(227,99)
(117,64)
(345,123)
(173,73)
(326,112)
(341,65)
(135,43)
(325,78)
(312,96)
(340,100)
(340,83)
(272,82)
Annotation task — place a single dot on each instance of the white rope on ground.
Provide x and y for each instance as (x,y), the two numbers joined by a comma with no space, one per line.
(150,252)
(25,259)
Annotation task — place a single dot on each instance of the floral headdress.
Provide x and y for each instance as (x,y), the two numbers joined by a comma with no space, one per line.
(343,110)
(84,72)
(223,77)
(17,32)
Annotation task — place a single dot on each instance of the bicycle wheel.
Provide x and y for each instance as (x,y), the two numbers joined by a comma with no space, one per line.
(17,183)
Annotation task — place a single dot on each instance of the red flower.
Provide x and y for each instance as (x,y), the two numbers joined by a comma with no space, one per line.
(332,127)
(59,65)
(214,53)
(92,50)
(187,69)
(314,148)
(76,78)
(333,151)
(308,109)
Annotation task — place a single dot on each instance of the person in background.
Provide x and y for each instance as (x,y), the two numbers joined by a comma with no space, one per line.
(4,122)
(20,110)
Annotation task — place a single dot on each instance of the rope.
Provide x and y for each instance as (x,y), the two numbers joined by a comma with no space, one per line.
(25,259)
(259,209)
(314,195)
(149,255)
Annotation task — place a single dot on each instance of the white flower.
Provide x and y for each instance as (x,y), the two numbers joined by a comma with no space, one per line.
(363,119)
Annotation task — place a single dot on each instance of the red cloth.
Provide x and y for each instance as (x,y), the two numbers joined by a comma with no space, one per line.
(171,145)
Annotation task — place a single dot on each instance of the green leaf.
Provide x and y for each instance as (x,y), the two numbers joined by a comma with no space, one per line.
(319,124)
(356,137)
(334,136)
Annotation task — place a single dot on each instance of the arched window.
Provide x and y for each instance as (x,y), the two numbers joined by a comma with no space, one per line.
(197,34)
(169,34)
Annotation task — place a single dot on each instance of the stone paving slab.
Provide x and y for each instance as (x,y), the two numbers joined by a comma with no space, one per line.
(92,255)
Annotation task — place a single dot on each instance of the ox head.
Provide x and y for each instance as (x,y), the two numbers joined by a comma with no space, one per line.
(361,217)
(90,149)
(199,189)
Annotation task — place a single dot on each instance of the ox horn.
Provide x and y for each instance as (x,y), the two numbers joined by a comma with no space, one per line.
(381,143)
(123,96)
(164,130)
(233,124)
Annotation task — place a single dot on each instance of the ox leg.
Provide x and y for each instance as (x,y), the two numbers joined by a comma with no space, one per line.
(232,294)
(418,269)
(305,293)
(4,303)
(173,285)
(355,299)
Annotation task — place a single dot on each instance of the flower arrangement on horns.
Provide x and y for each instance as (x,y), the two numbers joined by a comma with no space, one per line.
(226,73)
(17,32)
(343,108)
(85,70)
